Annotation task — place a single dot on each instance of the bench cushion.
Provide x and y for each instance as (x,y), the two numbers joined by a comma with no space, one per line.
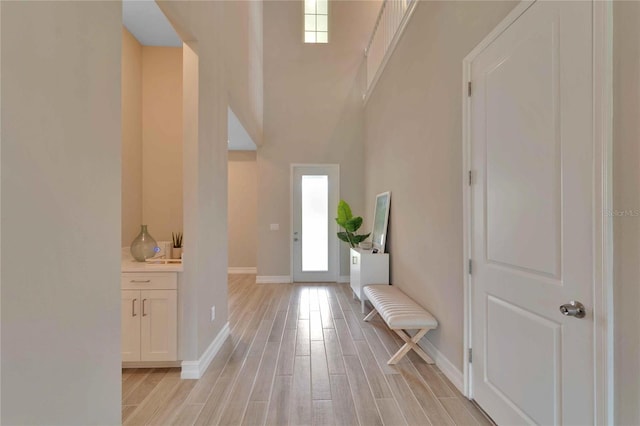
(397,309)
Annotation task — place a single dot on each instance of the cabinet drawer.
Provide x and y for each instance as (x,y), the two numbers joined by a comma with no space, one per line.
(149,281)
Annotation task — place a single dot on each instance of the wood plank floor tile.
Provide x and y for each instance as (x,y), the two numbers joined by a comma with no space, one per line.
(325,310)
(278,327)
(187,415)
(407,401)
(303,341)
(437,385)
(379,352)
(155,399)
(278,410)
(334,353)
(300,405)
(127,411)
(431,406)
(363,400)
(134,378)
(256,413)
(264,377)
(315,325)
(346,342)
(390,412)
(320,386)
(458,412)
(239,396)
(168,411)
(343,405)
(323,413)
(287,352)
(298,354)
(147,385)
(376,379)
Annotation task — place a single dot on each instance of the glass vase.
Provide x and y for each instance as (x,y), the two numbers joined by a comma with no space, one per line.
(144,246)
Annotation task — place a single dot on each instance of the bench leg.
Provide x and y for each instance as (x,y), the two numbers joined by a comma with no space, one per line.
(371,314)
(410,343)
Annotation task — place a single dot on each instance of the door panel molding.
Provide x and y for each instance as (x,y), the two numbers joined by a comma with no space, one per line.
(602,64)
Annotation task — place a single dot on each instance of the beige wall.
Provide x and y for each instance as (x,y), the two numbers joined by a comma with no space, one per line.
(131,137)
(205,170)
(243,208)
(162,140)
(626,180)
(312,114)
(61,171)
(243,62)
(414,149)
(151,139)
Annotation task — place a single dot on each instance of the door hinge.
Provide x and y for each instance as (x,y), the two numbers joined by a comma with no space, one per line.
(470,355)
(470,178)
(470,267)
(469,88)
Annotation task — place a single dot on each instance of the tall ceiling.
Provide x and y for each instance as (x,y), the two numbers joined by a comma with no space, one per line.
(147,23)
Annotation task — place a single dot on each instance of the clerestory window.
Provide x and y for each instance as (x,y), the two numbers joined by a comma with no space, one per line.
(316,21)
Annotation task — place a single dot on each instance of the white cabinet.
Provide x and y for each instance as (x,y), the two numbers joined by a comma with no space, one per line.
(367,268)
(149,317)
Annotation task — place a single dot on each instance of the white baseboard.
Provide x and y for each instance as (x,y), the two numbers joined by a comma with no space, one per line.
(242,270)
(151,364)
(273,279)
(344,279)
(195,369)
(442,362)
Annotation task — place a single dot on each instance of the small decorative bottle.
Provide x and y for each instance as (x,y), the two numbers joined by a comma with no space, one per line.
(144,246)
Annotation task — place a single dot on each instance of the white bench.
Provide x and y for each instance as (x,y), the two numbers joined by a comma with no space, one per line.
(401,313)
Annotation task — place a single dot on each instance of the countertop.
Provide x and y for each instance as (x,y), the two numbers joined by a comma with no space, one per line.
(130,265)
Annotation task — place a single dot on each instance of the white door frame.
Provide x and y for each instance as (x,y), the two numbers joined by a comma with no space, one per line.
(336,199)
(602,195)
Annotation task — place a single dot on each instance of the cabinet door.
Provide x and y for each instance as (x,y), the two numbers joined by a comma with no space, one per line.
(130,321)
(354,281)
(159,325)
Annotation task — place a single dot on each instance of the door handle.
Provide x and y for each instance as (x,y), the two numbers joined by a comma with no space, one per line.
(140,281)
(573,309)
(144,314)
(133,307)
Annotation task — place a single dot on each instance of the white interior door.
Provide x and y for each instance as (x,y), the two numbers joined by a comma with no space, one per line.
(532,218)
(315,194)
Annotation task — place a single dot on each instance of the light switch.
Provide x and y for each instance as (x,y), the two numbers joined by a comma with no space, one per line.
(274,227)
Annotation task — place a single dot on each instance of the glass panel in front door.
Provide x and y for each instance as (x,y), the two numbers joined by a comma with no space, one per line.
(315,223)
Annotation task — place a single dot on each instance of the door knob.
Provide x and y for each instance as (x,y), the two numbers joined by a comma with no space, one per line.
(573,309)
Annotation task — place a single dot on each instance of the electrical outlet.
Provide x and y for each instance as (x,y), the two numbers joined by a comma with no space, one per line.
(213,313)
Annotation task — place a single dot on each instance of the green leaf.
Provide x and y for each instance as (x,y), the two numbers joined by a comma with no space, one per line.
(360,238)
(343,236)
(353,224)
(344,213)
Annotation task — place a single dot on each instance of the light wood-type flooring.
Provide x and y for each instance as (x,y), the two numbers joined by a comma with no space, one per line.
(298,354)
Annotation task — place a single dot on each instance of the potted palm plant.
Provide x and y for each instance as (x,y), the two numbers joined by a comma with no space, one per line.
(350,224)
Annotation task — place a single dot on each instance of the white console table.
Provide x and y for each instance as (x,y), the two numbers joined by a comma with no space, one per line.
(367,268)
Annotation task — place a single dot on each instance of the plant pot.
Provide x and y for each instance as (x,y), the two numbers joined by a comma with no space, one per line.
(176,253)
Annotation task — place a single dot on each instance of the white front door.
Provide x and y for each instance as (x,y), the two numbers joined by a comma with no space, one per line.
(314,241)
(532,218)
